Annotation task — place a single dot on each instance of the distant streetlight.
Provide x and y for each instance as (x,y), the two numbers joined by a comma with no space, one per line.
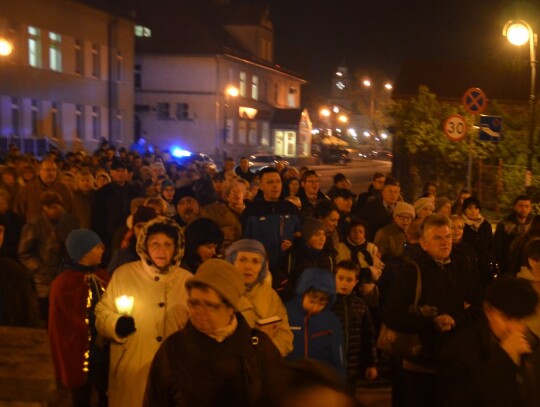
(366,83)
(230,92)
(343,118)
(388,86)
(519,32)
(325,112)
(6,47)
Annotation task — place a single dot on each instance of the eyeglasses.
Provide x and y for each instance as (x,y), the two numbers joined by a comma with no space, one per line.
(404,217)
(205,305)
(313,181)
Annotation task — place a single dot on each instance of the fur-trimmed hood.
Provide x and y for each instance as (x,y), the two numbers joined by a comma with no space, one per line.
(170,224)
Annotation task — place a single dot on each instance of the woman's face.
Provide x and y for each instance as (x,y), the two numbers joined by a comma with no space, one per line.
(472,212)
(207,312)
(445,210)
(85,183)
(294,186)
(357,235)
(207,251)
(331,221)
(425,211)
(317,240)
(160,249)
(168,193)
(457,230)
(249,264)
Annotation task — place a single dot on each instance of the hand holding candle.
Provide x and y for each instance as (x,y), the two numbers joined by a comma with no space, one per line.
(124,304)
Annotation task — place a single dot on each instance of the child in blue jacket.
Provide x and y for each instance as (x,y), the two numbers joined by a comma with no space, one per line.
(317,330)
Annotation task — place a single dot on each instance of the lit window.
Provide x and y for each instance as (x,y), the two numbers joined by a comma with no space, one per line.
(96,126)
(141,31)
(255,87)
(34,47)
(79,57)
(96,62)
(291,97)
(79,122)
(55,52)
(242,84)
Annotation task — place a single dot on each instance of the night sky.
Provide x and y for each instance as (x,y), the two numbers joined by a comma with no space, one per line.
(312,37)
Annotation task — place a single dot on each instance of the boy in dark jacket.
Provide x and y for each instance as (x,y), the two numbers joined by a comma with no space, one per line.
(359,340)
(317,330)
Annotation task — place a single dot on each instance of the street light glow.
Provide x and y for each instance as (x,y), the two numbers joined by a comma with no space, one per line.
(388,86)
(384,136)
(232,91)
(343,119)
(517,33)
(366,83)
(324,112)
(339,74)
(6,47)
(366,134)
(336,109)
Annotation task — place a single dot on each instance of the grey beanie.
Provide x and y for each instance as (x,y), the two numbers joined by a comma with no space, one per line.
(310,226)
(81,241)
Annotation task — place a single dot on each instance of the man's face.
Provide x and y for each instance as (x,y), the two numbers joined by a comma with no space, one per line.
(378,183)
(119,175)
(311,185)
(523,209)
(345,281)
(228,165)
(86,183)
(271,186)
(187,208)
(501,325)
(48,172)
(314,302)
(357,235)
(343,205)
(437,242)
(244,164)
(403,220)
(390,194)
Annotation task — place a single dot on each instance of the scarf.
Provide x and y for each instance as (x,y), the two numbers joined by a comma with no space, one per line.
(473,223)
(361,248)
(221,334)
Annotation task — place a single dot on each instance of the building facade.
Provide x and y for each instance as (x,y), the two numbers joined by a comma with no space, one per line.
(69,79)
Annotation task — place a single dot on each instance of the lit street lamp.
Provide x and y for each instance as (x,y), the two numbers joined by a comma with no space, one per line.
(6,47)
(519,33)
(230,92)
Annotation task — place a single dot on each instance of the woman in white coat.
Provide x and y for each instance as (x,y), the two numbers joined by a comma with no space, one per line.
(157,285)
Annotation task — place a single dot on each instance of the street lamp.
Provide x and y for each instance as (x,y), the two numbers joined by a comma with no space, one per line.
(230,92)
(6,47)
(519,32)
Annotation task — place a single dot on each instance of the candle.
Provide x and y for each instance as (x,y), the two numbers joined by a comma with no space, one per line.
(124,304)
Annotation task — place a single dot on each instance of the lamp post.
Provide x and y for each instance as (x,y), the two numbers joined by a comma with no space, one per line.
(230,92)
(6,47)
(519,32)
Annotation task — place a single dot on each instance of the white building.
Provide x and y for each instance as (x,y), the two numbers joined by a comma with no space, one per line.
(187,57)
(69,79)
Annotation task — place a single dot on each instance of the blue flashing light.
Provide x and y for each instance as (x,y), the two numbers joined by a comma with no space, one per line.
(179,152)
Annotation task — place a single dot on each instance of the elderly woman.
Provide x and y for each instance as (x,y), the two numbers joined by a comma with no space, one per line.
(217,359)
(157,284)
(249,257)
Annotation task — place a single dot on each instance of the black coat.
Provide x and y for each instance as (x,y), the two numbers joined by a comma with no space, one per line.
(375,215)
(476,371)
(192,369)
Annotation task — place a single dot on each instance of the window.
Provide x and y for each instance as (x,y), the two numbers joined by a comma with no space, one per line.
(242,130)
(291,97)
(264,90)
(137,76)
(255,87)
(253,134)
(182,111)
(163,111)
(96,62)
(56,122)
(79,57)
(55,52)
(34,118)
(242,84)
(119,65)
(79,122)
(276,93)
(96,125)
(34,47)
(142,31)
(265,134)
(15,117)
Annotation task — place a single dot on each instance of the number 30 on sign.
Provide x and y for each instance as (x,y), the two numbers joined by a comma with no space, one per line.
(455,127)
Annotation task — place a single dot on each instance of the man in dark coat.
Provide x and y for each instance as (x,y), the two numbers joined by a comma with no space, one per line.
(494,362)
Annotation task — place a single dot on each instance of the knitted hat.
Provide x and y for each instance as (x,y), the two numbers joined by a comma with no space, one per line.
(223,277)
(252,246)
(469,202)
(440,202)
(403,208)
(144,214)
(182,193)
(422,203)
(310,226)
(81,241)
(167,183)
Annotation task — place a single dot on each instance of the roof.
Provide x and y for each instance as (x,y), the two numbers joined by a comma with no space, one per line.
(449,80)
(287,116)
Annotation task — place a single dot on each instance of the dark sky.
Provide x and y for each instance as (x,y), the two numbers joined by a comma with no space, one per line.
(312,37)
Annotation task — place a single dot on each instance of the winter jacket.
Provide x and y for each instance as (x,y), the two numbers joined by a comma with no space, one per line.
(193,369)
(481,241)
(317,336)
(72,324)
(159,310)
(533,322)
(82,207)
(226,220)
(507,230)
(358,334)
(270,223)
(344,253)
(42,249)
(264,303)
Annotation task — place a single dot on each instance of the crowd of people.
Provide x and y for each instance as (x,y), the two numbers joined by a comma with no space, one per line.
(165,284)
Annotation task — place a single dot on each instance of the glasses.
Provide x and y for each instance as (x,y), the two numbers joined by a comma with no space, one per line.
(404,217)
(313,181)
(205,305)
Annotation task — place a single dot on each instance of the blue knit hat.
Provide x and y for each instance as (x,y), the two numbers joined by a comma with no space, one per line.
(81,241)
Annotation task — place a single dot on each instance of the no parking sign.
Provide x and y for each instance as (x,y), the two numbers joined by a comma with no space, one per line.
(475,100)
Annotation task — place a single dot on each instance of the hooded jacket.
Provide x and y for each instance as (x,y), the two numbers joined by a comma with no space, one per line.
(317,336)
(159,310)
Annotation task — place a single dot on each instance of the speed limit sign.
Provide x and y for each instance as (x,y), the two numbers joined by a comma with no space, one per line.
(455,127)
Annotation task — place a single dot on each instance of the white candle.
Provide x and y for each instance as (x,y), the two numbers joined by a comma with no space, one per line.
(124,304)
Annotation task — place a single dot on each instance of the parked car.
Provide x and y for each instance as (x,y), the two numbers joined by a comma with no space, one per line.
(335,155)
(258,161)
(382,155)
